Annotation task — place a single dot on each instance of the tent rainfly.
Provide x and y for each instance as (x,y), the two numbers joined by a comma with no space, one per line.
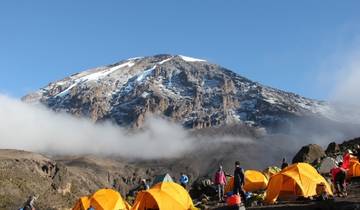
(165,195)
(299,179)
(104,199)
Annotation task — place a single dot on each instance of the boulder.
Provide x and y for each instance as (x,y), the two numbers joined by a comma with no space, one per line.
(202,186)
(333,148)
(309,154)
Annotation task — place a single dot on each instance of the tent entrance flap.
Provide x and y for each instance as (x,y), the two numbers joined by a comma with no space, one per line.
(149,202)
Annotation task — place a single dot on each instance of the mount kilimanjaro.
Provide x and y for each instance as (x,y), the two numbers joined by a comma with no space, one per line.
(185,90)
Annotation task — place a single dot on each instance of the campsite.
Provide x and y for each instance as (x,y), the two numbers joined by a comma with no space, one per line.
(179,105)
(296,186)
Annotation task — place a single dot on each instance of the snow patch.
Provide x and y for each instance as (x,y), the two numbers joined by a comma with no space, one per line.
(234,115)
(94,76)
(138,79)
(270,100)
(168,92)
(145,94)
(145,74)
(66,91)
(134,58)
(190,59)
(164,61)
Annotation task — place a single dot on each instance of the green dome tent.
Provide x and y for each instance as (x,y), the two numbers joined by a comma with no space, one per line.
(162,178)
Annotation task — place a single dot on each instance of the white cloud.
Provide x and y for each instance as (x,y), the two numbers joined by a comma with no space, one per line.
(34,128)
(347,87)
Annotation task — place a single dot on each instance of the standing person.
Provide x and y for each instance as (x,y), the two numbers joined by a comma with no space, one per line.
(357,151)
(284,164)
(144,185)
(141,187)
(220,182)
(346,160)
(184,180)
(29,204)
(338,177)
(239,179)
(317,164)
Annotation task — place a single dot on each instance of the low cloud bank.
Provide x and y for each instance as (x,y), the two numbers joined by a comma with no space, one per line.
(35,128)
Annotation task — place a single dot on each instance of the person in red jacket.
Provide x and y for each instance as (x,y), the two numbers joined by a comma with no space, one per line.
(220,182)
(338,177)
(346,160)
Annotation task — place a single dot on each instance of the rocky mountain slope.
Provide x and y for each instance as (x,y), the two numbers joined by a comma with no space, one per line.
(186,90)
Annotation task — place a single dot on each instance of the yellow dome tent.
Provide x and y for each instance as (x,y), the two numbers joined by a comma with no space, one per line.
(299,179)
(82,204)
(254,181)
(354,169)
(164,196)
(104,199)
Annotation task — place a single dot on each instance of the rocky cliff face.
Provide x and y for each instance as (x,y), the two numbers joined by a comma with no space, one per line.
(186,90)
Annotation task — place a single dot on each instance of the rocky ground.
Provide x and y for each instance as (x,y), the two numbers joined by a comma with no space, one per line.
(59,182)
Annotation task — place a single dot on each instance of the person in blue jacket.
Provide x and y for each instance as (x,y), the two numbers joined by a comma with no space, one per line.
(184,180)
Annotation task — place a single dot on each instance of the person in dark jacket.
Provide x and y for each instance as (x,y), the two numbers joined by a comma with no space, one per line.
(357,151)
(29,204)
(239,179)
(284,164)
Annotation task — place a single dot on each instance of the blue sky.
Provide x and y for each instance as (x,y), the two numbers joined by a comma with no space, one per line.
(280,43)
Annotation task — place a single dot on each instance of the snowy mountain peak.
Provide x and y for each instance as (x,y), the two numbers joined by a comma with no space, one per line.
(188,90)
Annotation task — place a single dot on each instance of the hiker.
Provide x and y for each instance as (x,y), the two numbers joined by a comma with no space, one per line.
(357,151)
(321,193)
(346,159)
(284,164)
(29,204)
(317,164)
(220,182)
(143,185)
(338,176)
(239,179)
(183,180)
